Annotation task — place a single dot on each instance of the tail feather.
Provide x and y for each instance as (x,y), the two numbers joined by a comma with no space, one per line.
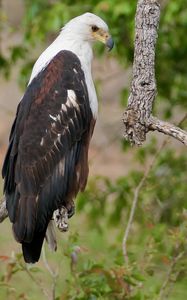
(32,250)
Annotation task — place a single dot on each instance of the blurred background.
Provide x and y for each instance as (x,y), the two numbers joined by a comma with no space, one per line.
(89,262)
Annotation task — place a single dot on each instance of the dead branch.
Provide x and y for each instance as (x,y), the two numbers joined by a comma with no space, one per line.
(27,268)
(54,274)
(168,129)
(3,210)
(131,216)
(137,117)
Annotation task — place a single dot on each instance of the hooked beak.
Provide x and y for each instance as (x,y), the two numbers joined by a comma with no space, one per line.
(109,43)
(104,37)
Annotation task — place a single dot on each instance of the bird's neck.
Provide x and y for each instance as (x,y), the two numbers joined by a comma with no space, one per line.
(82,49)
(74,43)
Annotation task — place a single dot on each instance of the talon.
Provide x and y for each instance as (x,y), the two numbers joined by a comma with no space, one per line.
(71,211)
(61,218)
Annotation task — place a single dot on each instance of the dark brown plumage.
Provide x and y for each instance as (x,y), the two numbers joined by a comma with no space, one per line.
(47,160)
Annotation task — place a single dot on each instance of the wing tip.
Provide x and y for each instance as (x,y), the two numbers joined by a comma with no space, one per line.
(32,251)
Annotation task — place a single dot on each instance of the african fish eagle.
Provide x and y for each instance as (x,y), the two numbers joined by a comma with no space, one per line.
(46,164)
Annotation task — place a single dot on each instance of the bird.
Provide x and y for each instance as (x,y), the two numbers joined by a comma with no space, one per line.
(46,163)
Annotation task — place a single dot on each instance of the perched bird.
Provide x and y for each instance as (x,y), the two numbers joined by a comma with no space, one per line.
(46,164)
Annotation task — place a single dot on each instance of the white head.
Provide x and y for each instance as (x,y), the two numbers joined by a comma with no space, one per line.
(78,33)
(90,28)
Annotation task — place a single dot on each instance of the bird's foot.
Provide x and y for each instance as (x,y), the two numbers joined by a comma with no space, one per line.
(60,217)
(71,209)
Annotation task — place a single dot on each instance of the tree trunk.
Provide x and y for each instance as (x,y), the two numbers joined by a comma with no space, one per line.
(137,117)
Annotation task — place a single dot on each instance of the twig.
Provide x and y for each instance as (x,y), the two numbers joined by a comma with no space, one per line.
(182,120)
(137,191)
(168,276)
(134,204)
(48,267)
(3,210)
(54,275)
(168,129)
(38,283)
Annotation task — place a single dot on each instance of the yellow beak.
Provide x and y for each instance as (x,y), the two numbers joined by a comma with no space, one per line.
(104,37)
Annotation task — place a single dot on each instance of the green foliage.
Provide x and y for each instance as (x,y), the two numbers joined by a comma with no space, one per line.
(171,54)
(157,195)
(89,258)
(90,274)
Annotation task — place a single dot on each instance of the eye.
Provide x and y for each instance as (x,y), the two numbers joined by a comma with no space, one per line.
(95,28)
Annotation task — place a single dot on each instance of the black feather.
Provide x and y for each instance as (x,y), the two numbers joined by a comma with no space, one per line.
(32,250)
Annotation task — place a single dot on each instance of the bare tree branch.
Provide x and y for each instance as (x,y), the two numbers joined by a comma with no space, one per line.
(137,118)
(168,129)
(3,210)
(26,268)
(54,275)
(131,216)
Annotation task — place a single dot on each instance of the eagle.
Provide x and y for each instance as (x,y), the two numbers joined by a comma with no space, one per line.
(46,163)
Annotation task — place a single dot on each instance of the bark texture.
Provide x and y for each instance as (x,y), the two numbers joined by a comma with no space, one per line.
(168,129)
(137,118)
(3,210)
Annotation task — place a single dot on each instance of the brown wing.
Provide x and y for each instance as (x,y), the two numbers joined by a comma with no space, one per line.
(46,163)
